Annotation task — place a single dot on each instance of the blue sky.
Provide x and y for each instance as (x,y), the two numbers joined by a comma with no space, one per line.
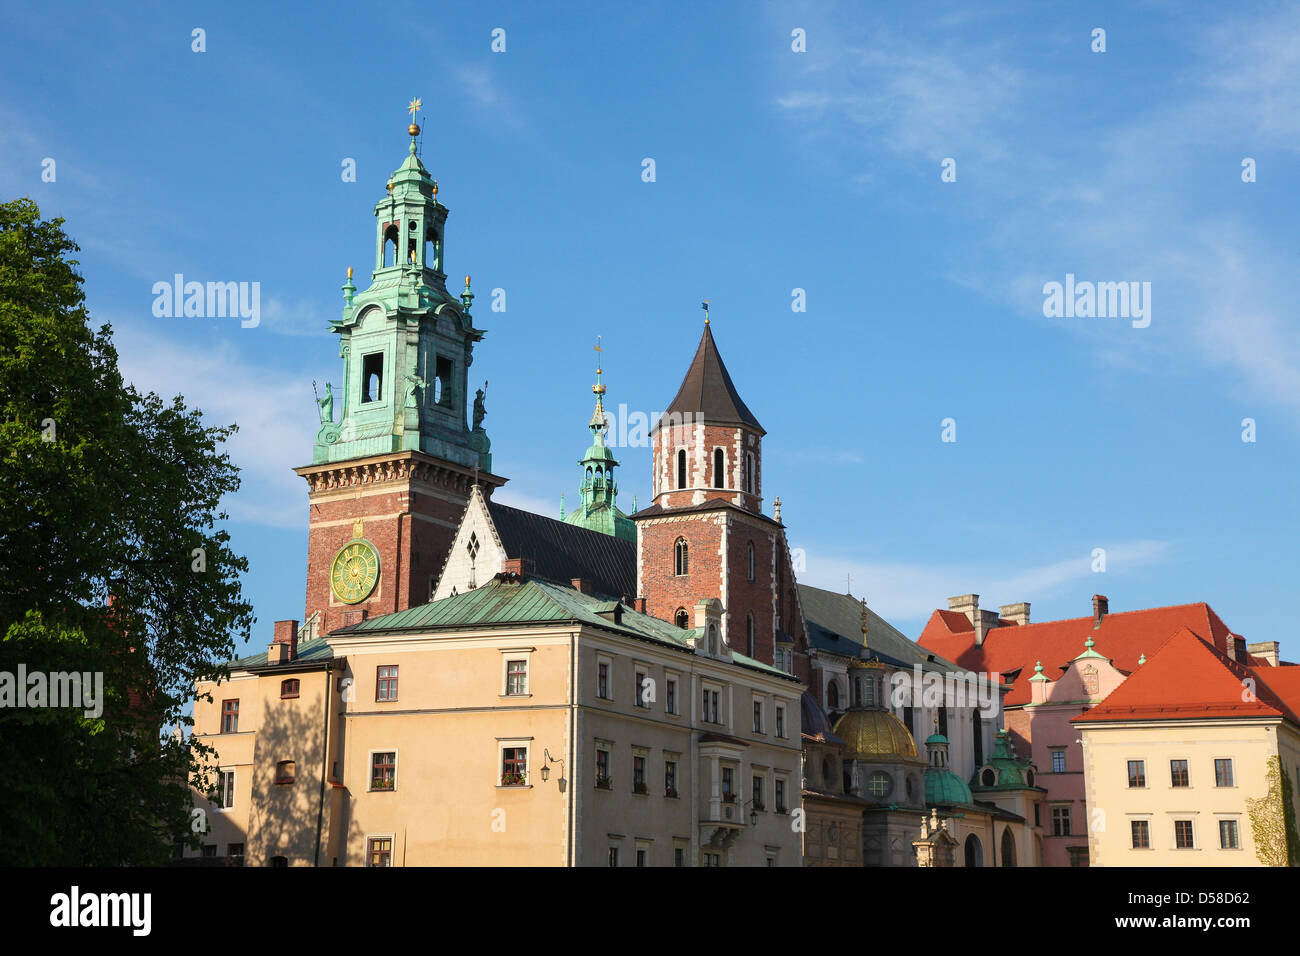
(775,171)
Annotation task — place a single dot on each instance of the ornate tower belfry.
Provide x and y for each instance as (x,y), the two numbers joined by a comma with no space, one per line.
(393,469)
(599,510)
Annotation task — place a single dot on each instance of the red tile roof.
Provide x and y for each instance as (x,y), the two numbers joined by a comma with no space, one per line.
(1123,636)
(1188,678)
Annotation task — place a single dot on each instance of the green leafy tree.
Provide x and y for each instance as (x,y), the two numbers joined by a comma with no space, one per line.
(114,561)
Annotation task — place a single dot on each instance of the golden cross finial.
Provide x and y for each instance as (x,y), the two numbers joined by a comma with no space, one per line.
(414,107)
(598,388)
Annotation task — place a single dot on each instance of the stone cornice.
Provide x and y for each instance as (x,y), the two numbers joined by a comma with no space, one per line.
(403,466)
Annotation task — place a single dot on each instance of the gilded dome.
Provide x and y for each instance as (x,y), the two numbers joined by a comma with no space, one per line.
(874,735)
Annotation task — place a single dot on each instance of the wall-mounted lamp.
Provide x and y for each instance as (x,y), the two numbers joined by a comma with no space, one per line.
(546,769)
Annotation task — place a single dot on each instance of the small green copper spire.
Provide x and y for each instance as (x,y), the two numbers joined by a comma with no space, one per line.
(1038,672)
(1142,659)
(599,509)
(467,297)
(349,289)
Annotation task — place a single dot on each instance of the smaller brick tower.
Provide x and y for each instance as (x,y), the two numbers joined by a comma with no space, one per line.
(705,534)
(392,475)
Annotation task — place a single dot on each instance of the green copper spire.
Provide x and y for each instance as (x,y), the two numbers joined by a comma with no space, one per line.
(406,341)
(599,509)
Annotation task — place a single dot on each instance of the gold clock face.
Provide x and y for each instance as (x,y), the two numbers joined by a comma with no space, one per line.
(355,572)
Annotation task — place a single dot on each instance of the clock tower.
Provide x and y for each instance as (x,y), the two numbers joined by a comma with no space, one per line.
(396,453)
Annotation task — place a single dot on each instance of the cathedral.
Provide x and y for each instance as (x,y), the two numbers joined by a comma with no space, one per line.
(472,683)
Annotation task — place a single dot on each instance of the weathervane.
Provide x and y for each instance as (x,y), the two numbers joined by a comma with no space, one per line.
(705,306)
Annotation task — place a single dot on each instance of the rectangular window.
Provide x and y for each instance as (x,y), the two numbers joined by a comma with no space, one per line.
(372,376)
(209,849)
(1178,773)
(713,859)
(517,677)
(602,680)
(383,771)
(442,375)
(613,856)
(1228,835)
(780,721)
(1038,814)
(714,714)
(756,793)
(289,688)
(640,857)
(670,778)
(780,795)
(1058,761)
(1183,834)
(1060,821)
(1141,834)
(639,692)
(514,766)
(758,716)
(285,771)
(380,851)
(602,770)
(230,716)
(638,774)
(226,789)
(1137,773)
(386,683)
(1223,772)
(728,793)
(235,849)
(679,856)
(670,696)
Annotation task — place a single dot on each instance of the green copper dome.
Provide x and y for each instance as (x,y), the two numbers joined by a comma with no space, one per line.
(1008,773)
(944,787)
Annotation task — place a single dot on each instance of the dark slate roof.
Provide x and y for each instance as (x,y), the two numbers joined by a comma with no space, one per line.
(562,552)
(816,725)
(707,390)
(507,601)
(835,625)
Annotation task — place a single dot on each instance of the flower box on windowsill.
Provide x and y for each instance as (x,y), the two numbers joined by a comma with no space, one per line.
(728,798)
(382,785)
(639,788)
(670,792)
(759,806)
(782,809)
(604,783)
(514,780)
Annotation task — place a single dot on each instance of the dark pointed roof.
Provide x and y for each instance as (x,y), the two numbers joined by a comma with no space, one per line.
(708,391)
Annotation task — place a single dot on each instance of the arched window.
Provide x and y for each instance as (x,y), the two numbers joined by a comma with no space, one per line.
(682,619)
(987,777)
(390,246)
(681,468)
(681,563)
(749,635)
(749,566)
(751,466)
(833,695)
(974,851)
(432,250)
(719,468)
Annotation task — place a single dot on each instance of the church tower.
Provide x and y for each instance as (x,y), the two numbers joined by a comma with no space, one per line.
(393,469)
(705,534)
(598,507)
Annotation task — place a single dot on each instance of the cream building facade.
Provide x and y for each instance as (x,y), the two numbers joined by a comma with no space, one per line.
(1192,761)
(522,723)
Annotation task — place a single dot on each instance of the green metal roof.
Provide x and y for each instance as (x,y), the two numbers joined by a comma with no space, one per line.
(504,602)
(313,650)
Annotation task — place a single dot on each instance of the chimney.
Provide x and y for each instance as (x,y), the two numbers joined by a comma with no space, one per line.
(1266,650)
(1016,613)
(1100,608)
(582,586)
(514,566)
(640,605)
(969,604)
(284,647)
